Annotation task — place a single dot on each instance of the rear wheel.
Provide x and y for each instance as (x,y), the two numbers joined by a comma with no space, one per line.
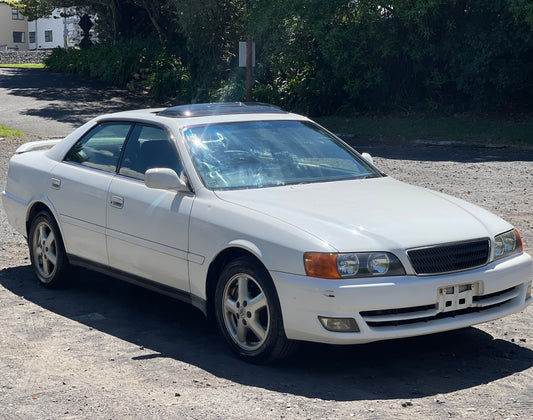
(248,312)
(47,253)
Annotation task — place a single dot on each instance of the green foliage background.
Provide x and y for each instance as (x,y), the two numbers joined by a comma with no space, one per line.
(315,56)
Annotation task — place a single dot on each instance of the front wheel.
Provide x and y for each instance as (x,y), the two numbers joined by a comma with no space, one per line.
(248,312)
(47,253)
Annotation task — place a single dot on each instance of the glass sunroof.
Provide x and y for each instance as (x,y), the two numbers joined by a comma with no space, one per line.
(221,108)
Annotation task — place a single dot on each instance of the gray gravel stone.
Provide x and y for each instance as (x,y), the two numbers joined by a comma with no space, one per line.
(24,57)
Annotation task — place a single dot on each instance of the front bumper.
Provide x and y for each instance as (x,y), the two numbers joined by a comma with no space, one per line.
(395,307)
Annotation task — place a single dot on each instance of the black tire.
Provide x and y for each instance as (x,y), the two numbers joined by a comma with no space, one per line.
(47,252)
(248,312)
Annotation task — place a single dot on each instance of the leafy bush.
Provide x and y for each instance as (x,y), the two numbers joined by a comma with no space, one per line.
(322,57)
(127,63)
(168,75)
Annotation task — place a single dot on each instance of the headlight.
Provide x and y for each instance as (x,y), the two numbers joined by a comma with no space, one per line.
(378,264)
(507,244)
(346,265)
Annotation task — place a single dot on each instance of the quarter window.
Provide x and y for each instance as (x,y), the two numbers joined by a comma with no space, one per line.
(100,148)
(148,147)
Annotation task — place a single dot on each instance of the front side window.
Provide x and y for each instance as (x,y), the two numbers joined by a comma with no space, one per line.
(48,36)
(19,37)
(148,147)
(260,154)
(100,148)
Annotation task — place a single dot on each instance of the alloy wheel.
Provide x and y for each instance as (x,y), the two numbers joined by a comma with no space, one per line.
(246,311)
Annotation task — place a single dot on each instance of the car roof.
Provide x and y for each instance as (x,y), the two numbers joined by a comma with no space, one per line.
(183,115)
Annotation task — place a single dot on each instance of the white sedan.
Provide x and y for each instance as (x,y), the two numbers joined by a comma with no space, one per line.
(265,221)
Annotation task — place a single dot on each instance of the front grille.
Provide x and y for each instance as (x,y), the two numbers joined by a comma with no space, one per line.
(450,258)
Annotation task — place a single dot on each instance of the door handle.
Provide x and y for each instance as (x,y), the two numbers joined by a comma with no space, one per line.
(117,202)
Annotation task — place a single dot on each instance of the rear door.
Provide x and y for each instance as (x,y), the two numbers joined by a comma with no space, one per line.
(79,186)
(147,229)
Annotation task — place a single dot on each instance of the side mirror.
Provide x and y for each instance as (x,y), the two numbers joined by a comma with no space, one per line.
(164,179)
(366,156)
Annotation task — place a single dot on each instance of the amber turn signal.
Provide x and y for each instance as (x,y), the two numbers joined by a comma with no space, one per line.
(321,265)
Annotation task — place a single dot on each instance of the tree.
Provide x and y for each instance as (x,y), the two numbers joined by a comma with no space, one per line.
(320,56)
(33,9)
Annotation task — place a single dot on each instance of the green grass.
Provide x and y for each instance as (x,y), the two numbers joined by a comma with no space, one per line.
(461,128)
(24,66)
(9,132)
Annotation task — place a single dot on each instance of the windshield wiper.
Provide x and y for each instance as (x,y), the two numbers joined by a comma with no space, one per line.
(370,176)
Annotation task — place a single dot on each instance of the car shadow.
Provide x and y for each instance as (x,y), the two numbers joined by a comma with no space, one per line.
(166,328)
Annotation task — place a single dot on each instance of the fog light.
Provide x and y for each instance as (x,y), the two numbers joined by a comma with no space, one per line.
(528,291)
(339,324)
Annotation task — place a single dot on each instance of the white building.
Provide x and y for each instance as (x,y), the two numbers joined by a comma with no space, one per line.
(61,29)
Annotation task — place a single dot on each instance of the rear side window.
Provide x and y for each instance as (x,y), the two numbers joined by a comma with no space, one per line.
(100,148)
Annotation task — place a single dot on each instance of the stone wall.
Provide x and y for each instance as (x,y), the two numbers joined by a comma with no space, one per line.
(23,57)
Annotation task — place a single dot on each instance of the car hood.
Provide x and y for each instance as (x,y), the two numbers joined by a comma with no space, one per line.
(370,214)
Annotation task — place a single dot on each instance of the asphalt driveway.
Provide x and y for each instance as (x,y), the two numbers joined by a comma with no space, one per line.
(44,104)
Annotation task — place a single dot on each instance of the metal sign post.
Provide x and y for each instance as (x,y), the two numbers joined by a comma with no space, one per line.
(247,59)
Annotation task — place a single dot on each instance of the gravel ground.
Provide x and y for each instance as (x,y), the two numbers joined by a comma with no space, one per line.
(104,349)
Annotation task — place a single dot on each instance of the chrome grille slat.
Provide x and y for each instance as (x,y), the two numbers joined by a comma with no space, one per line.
(496,298)
(390,318)
(401,317)
(450,258)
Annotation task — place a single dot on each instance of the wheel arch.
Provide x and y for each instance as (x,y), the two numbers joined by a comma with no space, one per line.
(34,209)
(57,276)
(217,265)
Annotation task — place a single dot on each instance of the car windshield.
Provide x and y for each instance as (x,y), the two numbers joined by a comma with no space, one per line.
(260,154)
